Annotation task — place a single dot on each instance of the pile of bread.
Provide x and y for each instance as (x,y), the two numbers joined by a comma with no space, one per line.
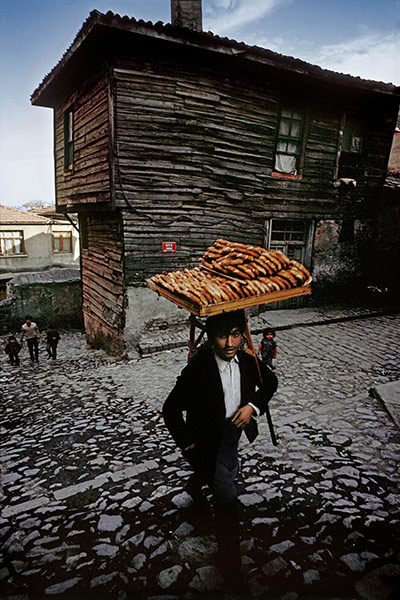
(231,271)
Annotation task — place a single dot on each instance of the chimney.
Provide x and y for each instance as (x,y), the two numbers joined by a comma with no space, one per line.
(187,13)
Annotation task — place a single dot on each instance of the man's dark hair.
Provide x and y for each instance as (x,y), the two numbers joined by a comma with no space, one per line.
(222,324)
(28,318)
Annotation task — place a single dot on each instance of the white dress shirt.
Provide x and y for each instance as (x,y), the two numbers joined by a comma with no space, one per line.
(230,378)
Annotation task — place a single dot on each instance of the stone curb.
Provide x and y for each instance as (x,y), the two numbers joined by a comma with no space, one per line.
(389,396)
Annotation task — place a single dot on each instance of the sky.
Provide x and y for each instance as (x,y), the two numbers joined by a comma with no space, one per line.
(356,37)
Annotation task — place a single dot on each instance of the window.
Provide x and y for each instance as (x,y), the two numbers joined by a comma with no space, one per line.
(68,140)
(84,232)
(294,238)
(289,145)
(352,137)
(290,237)
(350,161)
(62,241)
(12,242)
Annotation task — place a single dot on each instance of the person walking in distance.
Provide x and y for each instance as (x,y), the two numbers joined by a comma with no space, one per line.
(51,339)
(221,392)
(31,333)
(12,350)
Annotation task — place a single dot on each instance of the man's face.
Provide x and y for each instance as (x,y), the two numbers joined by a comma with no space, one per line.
(226,345)
(28,322)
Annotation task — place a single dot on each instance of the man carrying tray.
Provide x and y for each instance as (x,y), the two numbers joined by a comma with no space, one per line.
(221,392)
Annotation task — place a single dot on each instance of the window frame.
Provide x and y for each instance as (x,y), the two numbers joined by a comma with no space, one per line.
(300,140)
(353,135)
(351,141)
(21,238)
(61,235)
(69,134)
(296,224)
(84,232)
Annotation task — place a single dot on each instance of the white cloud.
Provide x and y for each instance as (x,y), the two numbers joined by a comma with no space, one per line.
(224,3)
(372,55)
(228,16)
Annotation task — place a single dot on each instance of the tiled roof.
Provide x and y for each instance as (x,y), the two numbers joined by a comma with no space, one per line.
(13,216)
(46,211)
(201,40)
(51,213)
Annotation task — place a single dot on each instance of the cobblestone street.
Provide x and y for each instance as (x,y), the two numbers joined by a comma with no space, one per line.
(93,500)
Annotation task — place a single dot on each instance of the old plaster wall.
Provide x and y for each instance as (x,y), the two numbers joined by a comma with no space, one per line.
(38,250)
(336,261)
(52,296)
(394,158)
(148,313)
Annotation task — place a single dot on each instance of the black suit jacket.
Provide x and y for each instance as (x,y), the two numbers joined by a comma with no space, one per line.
(198,393)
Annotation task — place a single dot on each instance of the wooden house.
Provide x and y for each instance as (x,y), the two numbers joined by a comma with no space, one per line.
(167,138)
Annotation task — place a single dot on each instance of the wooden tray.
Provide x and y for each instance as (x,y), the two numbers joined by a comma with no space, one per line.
(214,309)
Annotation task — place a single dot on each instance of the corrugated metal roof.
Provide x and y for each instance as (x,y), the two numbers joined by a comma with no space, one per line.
(13,216)
(50,276)
(207,41)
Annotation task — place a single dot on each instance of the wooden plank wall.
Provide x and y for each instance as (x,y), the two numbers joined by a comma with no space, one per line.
(102,281)
(90,179)
(194,153)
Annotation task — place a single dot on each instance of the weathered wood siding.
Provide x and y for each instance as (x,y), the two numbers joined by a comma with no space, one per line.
(194,155)
(102,281)
(89,182)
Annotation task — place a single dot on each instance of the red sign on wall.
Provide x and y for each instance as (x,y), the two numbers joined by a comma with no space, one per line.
(169,246)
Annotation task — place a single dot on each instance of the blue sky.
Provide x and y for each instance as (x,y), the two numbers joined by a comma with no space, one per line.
(359,37)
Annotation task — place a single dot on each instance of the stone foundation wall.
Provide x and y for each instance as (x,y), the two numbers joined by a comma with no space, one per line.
(52,296)
(336,266)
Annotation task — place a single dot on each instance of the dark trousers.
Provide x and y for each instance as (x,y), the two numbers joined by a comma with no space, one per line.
(224,491)
(14,358)
(226,467)
(228,540)
(52,350)
(33,348)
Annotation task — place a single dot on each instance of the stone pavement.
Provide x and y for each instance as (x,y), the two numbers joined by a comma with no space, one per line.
(93,501)
(157,340)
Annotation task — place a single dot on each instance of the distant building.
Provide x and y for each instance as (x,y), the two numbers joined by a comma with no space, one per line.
(168,137)
(30,242)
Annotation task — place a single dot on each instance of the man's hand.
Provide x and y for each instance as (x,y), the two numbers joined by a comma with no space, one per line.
(242,417)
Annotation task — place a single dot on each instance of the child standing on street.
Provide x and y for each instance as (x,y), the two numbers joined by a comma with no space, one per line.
(51,339)
(12,350)
(268,348)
